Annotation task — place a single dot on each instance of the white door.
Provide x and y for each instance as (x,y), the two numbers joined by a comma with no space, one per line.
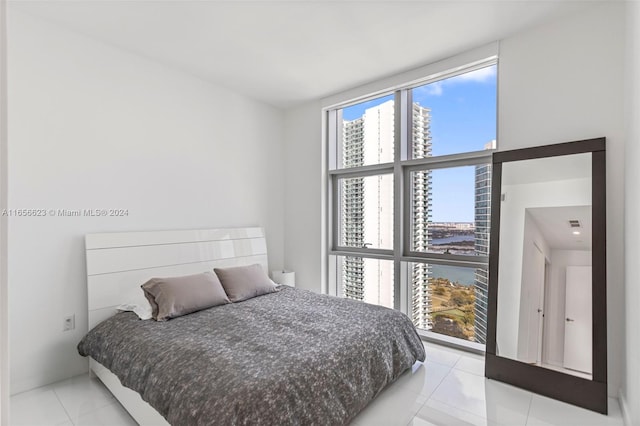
(541,299)
(577,330)
(536,302)
(532,295)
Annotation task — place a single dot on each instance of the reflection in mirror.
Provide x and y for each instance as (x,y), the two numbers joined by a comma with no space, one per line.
(544,297)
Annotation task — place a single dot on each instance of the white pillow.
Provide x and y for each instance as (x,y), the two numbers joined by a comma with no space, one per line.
(139,305)
(143,312)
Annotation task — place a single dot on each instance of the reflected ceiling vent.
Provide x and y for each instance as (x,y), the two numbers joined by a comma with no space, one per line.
(575,224)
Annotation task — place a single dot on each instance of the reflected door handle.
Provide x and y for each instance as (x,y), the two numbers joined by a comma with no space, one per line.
(570,320)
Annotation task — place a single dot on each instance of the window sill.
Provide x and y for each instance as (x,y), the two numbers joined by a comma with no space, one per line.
(452,342)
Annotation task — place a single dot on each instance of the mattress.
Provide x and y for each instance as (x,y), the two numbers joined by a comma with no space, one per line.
(288,358)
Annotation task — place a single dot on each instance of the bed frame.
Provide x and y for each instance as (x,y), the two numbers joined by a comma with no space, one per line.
(118,263)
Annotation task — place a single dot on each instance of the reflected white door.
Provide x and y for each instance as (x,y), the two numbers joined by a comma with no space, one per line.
(536,297)
(545,281)
(577,330)
(531,302)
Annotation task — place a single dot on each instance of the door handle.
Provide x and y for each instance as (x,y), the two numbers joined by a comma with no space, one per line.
(570,320)
(539,310)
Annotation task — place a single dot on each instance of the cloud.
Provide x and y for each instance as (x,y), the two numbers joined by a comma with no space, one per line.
(481,75)
(433,89)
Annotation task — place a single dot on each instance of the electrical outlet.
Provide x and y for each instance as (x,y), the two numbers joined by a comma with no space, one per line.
(69,323)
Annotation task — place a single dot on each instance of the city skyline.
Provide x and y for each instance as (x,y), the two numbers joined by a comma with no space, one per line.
(468,99)
(450,207)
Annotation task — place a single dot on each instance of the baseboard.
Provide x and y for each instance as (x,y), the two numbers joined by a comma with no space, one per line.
(626,416)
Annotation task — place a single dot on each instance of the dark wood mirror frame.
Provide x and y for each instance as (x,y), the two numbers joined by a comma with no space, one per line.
(590,394)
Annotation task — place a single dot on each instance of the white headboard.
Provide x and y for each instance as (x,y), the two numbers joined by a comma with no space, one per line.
(119,263)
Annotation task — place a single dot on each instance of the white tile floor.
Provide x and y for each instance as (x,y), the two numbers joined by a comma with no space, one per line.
(448,389)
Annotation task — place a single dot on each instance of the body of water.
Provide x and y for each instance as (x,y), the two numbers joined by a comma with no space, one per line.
(454,274)
(453,239)
(461,275)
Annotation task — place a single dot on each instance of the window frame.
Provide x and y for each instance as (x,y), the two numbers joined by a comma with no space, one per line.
(401,169)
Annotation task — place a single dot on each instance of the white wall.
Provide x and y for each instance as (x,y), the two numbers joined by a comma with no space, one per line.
(554,304)
(91,126)
(304,188)
(4,302)
(631,387)
(563,82)
(570,192)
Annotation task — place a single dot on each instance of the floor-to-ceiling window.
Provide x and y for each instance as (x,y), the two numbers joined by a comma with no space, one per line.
(409,184)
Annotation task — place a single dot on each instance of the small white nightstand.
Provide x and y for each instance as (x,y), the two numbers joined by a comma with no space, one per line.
(284,277)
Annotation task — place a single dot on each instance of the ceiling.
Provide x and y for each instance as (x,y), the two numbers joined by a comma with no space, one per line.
(288,52)
(553,223)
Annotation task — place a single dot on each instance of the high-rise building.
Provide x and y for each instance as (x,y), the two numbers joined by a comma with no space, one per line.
(421,211)
(367,207)
(482,228)
(353,209)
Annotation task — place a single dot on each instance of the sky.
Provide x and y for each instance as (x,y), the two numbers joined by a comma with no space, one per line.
(463,118)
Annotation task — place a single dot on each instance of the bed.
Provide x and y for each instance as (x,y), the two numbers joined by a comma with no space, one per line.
(288,357)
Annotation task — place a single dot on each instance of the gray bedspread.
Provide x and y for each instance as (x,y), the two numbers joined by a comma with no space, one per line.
(290,357)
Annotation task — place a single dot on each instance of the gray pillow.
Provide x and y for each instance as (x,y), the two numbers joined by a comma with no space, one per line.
(176,296)
(244,282)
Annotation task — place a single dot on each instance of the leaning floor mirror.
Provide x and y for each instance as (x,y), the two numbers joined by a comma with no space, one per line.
(547,319)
